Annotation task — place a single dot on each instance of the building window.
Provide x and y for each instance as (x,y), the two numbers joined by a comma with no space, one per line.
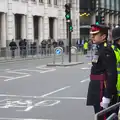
(41,1)
(55,2)
(49,1)
(33,0)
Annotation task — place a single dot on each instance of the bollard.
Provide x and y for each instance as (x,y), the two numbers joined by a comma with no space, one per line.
(58,51)
(75,48)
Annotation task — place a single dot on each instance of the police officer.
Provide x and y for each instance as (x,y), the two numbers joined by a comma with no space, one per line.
(116,48)
(103,78)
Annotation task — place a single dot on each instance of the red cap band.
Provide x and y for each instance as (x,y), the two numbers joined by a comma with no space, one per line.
(93,29)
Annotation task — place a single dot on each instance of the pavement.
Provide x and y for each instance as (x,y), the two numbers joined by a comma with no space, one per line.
(30,90)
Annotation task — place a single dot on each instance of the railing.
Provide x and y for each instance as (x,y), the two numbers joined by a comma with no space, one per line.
(31,53)
(113,116)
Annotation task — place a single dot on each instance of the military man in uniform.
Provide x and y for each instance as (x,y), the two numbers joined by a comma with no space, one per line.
(103,78)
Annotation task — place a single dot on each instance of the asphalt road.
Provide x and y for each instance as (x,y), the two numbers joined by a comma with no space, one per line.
(31,91)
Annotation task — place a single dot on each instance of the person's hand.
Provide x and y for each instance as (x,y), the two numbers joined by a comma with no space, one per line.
(105,102)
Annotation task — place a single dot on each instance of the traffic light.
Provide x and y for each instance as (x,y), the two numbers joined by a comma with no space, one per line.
(102,20)
(67,11)
(97,20)
(70,27)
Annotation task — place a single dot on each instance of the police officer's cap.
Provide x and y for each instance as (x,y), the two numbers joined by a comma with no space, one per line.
(99,29)
(116,33)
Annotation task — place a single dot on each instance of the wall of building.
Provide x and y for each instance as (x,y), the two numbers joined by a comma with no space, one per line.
(30,8)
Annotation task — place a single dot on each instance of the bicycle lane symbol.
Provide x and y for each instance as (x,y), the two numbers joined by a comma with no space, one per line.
(26,105)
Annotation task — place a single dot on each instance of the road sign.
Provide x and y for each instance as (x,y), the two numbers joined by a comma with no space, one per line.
(58,51)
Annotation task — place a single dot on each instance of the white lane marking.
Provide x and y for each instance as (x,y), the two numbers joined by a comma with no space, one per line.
(53,92)
(5,77)
(16,72)
(22,96)
(44,103)
(43,67)
(68,98)
(85,68)
(64,98)
(48,71)
(15,78)
(82,81)
(22,119)
(30,70)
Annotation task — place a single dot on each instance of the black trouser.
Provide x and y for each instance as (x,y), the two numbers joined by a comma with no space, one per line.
(85,51)
(13,53)
(97,109)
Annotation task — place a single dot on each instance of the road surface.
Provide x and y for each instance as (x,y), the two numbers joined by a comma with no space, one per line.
(29,90)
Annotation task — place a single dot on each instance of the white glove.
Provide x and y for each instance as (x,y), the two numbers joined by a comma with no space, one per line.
(105,102)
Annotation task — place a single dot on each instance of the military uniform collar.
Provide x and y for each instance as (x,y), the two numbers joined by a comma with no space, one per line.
(101,45)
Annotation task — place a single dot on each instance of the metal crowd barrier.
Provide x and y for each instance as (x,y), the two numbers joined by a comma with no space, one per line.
(76,52)
(113,116)
(39,52)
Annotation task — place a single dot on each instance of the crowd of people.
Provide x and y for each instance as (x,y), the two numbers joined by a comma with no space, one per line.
(32,49)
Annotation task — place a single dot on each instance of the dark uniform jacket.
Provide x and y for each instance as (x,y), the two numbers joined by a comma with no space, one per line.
(105,64)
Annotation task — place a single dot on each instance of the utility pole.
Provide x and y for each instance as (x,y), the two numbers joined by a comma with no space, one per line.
(69,25)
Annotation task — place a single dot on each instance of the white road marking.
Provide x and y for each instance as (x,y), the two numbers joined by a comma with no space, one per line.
(48,71)
(30,70)
(22,96)
(5,77)
(68,98)
(86,68)
(16,72)
(64,98)
(82,81)
(22,119)
(43,67)
(53,92)
(15,78)
(44,103)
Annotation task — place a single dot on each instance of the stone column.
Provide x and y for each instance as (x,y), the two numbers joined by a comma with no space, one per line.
(93,18)
(23,27)
(30,35)
(40,29)
(112,20)
(9,21)
(60,25)
(107,19)
(116,20)
(3,30)
(55,29)
(46,21)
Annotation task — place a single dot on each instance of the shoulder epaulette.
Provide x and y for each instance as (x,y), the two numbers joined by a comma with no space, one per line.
(105,44)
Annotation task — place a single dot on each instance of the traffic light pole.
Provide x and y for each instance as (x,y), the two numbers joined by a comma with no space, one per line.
(69,25)
(69,38)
